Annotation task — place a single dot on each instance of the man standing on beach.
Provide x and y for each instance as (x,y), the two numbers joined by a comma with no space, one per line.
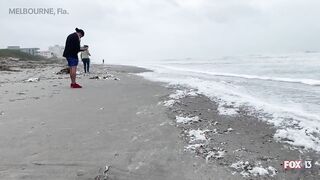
(70,52)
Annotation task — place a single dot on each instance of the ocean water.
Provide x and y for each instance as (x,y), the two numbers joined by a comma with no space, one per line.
(283,90)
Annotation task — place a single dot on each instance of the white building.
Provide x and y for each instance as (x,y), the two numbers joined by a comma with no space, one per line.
(32,51)
(56,50)
(47,54)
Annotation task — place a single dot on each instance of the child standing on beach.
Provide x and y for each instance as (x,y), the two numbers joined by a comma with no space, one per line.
(85,59)
(70,52)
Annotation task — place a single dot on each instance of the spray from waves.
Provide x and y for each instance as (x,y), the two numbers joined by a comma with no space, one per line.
(311,82)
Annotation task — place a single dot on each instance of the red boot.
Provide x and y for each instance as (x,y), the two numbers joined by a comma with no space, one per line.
(75,85)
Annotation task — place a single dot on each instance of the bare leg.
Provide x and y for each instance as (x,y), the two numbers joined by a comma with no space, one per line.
(73,71)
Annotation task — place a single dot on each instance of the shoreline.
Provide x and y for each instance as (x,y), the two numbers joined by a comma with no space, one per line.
(242,143)
(151,143)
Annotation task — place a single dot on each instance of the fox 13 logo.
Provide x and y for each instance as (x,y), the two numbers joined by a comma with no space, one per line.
(297,164)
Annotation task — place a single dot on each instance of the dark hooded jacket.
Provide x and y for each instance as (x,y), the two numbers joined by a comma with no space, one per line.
(72,47)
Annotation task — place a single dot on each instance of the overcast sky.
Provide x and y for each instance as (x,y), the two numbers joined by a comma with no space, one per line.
(160,29)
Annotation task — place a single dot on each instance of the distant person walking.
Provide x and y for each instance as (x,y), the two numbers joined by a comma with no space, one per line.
(102,61)
(85,59)
(71,51)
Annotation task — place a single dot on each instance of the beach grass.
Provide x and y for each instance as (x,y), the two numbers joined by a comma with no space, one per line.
(6,53)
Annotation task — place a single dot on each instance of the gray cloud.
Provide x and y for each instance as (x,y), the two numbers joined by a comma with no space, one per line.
(144,29)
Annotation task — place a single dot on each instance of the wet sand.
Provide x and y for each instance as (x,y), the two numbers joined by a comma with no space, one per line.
(242,143)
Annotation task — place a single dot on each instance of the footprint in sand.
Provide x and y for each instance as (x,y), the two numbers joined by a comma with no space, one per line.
(21,93)
(19,99)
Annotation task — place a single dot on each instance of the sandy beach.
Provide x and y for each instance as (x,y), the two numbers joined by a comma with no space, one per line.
(50,131)
(140,130)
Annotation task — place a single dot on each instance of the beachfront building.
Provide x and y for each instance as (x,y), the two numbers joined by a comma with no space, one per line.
(56,50)
(47,54)
(32,51)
